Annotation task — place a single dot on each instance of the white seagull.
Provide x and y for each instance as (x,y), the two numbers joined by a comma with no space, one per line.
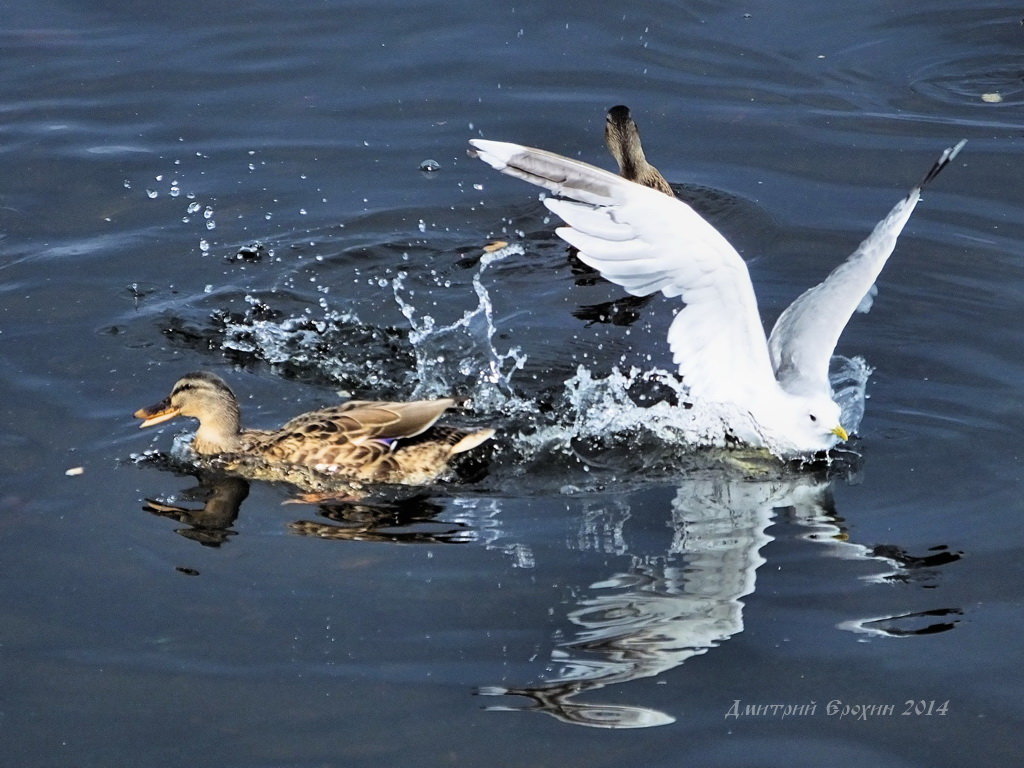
(773,393)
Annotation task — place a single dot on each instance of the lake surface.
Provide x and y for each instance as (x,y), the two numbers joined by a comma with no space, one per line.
(238,189)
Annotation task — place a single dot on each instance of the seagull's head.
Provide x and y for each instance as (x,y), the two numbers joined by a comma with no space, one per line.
(822,420)
(797,425)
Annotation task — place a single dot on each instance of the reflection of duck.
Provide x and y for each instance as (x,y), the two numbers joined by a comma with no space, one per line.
(407,521)
(372,441)
(767,392)
(211,524)
(622,138)
(410,519)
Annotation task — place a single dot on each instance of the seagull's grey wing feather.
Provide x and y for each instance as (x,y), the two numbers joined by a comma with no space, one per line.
(805,335)
(647,241)
(556,173)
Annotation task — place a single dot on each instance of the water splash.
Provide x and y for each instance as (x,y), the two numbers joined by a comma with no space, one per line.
(461,357)
(646,412)
(293,339)
(849,379)
(649,412)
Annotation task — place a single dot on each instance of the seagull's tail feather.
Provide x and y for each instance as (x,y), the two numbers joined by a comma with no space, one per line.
(561,175)
(944,159)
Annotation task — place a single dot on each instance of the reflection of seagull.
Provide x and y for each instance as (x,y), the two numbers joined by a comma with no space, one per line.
(675,602)
(668,609)
(773,394)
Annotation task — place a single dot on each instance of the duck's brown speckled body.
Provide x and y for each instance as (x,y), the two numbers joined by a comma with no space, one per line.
(623,140)
(371,441)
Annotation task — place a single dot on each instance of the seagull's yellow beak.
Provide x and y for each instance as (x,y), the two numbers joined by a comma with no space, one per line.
(839,432)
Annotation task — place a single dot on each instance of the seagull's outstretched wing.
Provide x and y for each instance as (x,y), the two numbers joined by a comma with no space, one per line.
(805,335)
(647,241)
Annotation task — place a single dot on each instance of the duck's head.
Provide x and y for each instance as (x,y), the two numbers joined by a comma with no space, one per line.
(203,396)
(623,139)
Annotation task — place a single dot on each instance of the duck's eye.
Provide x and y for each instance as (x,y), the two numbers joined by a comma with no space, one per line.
(813,417)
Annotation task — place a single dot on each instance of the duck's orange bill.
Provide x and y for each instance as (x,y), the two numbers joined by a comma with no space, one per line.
(157,414)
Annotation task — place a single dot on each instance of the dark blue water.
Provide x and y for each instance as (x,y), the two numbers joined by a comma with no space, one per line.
(239,189)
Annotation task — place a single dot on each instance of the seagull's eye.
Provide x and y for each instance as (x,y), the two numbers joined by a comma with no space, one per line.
(813,417)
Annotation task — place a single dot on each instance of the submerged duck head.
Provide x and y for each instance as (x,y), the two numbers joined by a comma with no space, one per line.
(204,396)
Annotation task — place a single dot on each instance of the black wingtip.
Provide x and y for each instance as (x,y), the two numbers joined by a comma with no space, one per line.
(944,159)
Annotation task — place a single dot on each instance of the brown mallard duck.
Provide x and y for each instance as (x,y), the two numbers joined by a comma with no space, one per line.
(622,138)
(371,441)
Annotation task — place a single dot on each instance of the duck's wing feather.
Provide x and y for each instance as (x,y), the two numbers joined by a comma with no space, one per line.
(646,241)
(805,335)
(357,421)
